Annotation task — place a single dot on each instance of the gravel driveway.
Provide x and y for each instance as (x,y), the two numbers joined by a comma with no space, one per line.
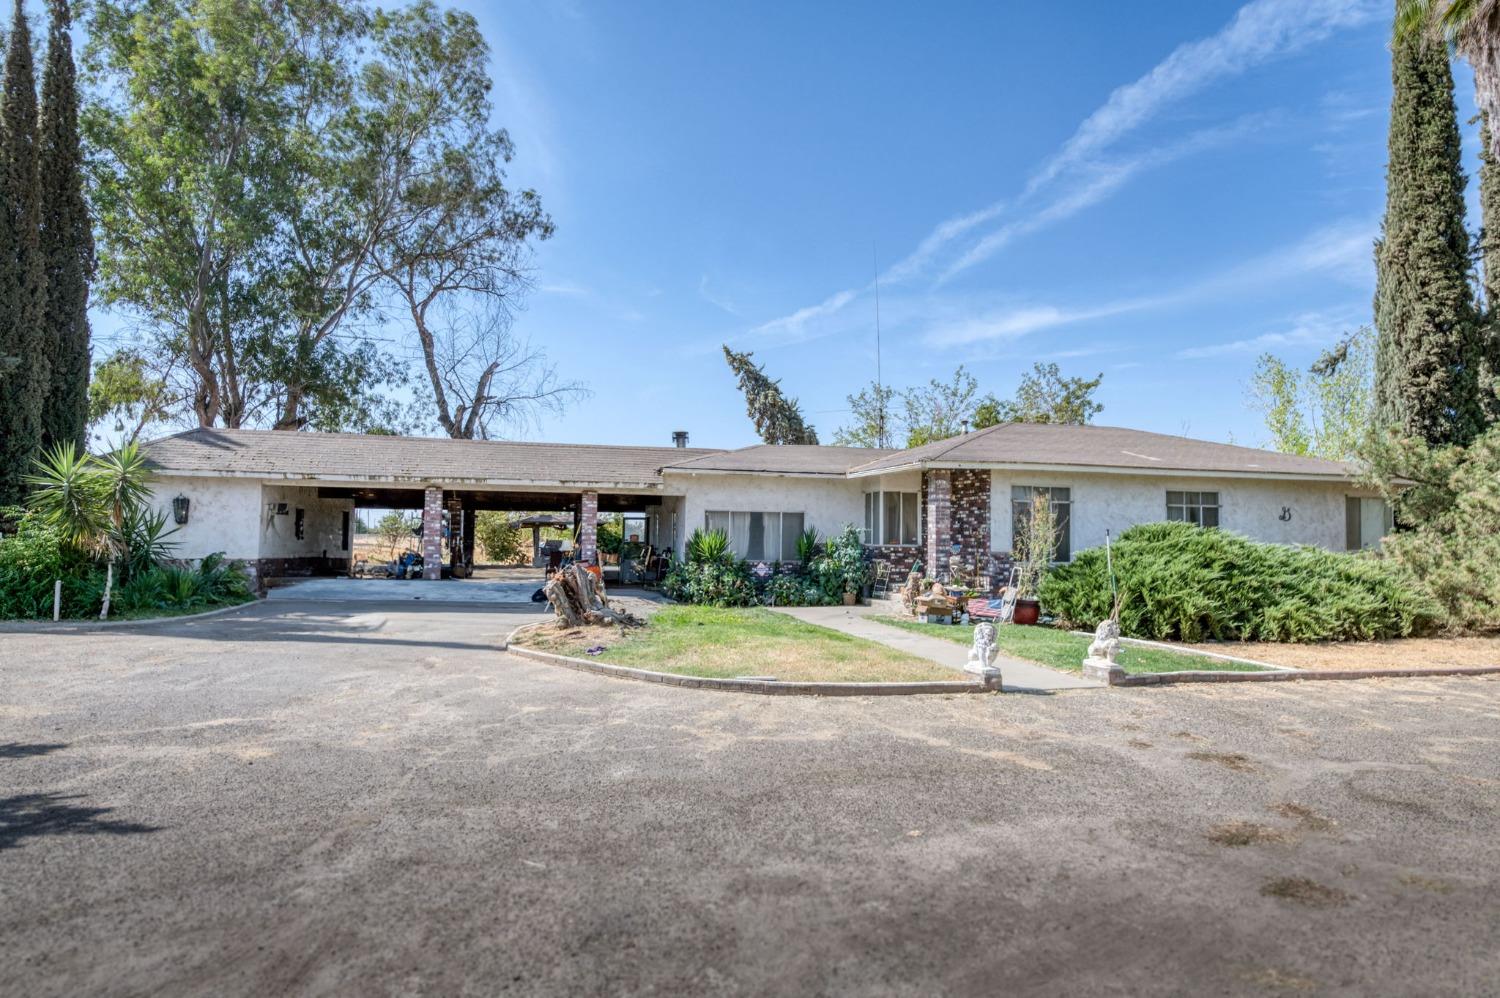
(370,799)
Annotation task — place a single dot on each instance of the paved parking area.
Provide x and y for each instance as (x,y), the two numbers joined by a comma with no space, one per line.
(338,589)
(370,799)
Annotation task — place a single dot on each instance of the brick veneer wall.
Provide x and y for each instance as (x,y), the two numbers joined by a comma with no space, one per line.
(938,504)
(432,534)
(588,528)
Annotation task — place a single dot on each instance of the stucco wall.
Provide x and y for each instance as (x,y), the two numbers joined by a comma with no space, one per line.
(223,515)
(827,504)
(323,523)
(230,515)
(1246,506)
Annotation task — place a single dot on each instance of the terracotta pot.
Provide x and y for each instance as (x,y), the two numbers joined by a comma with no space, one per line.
(1027,611)
(851,598)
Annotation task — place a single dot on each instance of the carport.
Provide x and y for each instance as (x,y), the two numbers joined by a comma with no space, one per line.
(283,501)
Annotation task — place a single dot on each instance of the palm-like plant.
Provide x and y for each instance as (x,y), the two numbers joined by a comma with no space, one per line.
(92,501)
(1473,27)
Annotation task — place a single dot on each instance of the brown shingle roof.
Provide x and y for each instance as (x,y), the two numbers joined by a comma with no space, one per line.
(274,454)
(1102,447)
(786,459)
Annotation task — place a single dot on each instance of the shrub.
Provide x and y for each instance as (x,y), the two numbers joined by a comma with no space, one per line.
(707,546)
(32,559)
(502,540)
(792,589)
(1447,500)
(711,583)
(1187,583)
(841,566)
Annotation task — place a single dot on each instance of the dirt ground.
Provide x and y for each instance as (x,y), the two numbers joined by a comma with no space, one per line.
(1405,653)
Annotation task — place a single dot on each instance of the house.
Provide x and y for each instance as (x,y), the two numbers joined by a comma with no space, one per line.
(284,502)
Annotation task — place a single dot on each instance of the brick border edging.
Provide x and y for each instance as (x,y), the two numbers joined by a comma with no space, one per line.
(1293,675)
(759,686)
(67,626)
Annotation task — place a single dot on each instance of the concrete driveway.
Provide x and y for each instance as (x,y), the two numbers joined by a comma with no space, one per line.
(370,799)
(338,589)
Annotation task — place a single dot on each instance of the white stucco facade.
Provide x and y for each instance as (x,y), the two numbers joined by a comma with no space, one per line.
(827,503)
(1276,511)
(238,517)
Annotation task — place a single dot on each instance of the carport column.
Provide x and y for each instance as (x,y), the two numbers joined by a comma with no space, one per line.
(432,534)
(588,528)
(939,522)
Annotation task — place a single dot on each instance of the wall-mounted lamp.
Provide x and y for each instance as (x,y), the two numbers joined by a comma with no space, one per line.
(180,510)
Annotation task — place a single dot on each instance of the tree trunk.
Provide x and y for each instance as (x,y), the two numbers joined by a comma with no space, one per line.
(577,597)
(109,585)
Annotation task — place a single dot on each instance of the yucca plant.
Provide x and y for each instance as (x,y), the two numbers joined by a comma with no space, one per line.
(705,546)
(807,545)
(88,500)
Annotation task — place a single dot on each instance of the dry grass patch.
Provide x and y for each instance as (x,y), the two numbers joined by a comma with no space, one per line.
(1244,833)
(1400,653)
(718,643)
(1229,760)
(1305,891)
(1305,816)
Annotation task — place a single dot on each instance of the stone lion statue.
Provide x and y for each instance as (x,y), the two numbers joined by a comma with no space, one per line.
(1106,643)
(984,651)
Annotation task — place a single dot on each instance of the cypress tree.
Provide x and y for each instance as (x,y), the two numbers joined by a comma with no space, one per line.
(67,239)
(1427,356)
(21,275)
(1489,210)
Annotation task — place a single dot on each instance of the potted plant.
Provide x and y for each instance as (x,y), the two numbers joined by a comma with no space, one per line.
(840,568)
(1037,544)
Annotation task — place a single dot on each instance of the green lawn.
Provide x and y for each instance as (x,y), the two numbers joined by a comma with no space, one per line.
(724,644)
(1066,651)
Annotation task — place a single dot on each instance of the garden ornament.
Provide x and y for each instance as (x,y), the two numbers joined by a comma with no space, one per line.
(984,652)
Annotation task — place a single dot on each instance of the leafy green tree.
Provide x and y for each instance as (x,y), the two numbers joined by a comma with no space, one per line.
(1043,396)
(873,421)
(938,409)
(777,419)
(500,538)
(126,390)
(1427,357)
(1326,411)
(67,238)
(396,530)
(23,334)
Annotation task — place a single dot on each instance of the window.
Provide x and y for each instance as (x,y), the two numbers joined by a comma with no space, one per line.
(1062,509)
(759,536)
(1201,508)
(1366,522)
(892,518)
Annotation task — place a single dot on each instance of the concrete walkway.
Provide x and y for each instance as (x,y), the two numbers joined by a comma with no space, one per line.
(1015,674)
(339,589)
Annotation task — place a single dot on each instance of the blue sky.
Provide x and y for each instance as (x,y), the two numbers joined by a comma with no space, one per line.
(1157,198)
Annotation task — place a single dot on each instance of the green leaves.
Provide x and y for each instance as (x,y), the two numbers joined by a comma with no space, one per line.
(777,419)
(1181,582)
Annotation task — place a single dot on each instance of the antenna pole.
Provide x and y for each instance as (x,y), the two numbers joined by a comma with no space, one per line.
(879,385)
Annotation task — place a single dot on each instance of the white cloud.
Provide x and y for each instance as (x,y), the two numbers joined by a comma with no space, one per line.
(1260,31)
(794,325)
(1013,323)
(1319,329)
(564,289)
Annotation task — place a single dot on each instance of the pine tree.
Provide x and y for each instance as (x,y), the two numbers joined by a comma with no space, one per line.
(777,418)
(67,239)
(21,274)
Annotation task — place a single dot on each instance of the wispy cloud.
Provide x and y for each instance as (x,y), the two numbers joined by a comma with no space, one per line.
(716,300)
(1260,31)
(1098,182)
(1321,328)
(564,289)
(1339,250)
